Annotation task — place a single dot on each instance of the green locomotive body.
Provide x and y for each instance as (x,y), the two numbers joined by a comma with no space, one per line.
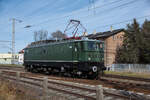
(77,57)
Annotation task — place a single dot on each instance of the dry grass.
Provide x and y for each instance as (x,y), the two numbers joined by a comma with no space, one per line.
(131,74)
(9,92)
(12,91)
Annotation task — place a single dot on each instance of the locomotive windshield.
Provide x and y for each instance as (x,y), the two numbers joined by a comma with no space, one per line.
(93,46)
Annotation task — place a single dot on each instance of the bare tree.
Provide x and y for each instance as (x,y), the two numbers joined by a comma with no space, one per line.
(58,35)
(35,36)
(40,35)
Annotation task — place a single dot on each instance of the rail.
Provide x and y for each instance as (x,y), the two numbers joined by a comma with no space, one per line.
(127,77)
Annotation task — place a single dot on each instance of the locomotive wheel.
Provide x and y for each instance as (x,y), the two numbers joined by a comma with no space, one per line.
(34,69)
(49,72)
(27,68)
(92,75)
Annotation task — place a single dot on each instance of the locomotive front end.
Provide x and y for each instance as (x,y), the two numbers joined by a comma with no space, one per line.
(92,57)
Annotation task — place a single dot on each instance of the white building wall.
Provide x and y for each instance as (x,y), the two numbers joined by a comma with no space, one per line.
(7,58)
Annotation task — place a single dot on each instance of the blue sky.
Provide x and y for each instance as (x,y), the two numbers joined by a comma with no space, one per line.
(52,15)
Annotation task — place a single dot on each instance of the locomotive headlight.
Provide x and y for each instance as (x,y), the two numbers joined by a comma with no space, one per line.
(94,68)
(70,47)
(89,58)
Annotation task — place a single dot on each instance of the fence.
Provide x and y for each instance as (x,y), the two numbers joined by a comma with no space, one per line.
(140,68)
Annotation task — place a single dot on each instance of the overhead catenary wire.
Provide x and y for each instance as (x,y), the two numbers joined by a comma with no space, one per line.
(125,21)
(5,41)
(128,20)
(107,10)
(89,15)
(96,7)
(125,4)
(133,1)
(66,16)
(113,8)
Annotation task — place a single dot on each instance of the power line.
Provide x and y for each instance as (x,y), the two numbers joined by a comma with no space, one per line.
(108,10)
(5,41)
(110,3)
(122,5)
(125,4)
(123,21)
(76,13)
(111,9)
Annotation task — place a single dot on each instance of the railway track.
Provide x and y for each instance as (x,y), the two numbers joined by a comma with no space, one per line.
(117,82)
(105,76)
(12,68)
(74,91)
(128,78)
(128,83)
(121,84)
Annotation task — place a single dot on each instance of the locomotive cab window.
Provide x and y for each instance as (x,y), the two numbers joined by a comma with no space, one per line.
(92,46)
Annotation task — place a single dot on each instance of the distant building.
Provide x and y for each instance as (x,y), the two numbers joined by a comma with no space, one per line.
(7,58)
(113,39)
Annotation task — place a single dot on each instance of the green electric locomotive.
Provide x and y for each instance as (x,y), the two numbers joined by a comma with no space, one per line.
(72,57)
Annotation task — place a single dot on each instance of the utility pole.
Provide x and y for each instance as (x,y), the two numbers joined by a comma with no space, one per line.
(13,41)
(92,5)
(13,38)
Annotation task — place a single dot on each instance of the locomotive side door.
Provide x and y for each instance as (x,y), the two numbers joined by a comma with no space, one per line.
(75,52)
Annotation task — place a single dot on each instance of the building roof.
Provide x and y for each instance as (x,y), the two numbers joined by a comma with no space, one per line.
(104,34)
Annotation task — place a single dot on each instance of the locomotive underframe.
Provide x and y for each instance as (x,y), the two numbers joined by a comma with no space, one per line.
(72,68)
